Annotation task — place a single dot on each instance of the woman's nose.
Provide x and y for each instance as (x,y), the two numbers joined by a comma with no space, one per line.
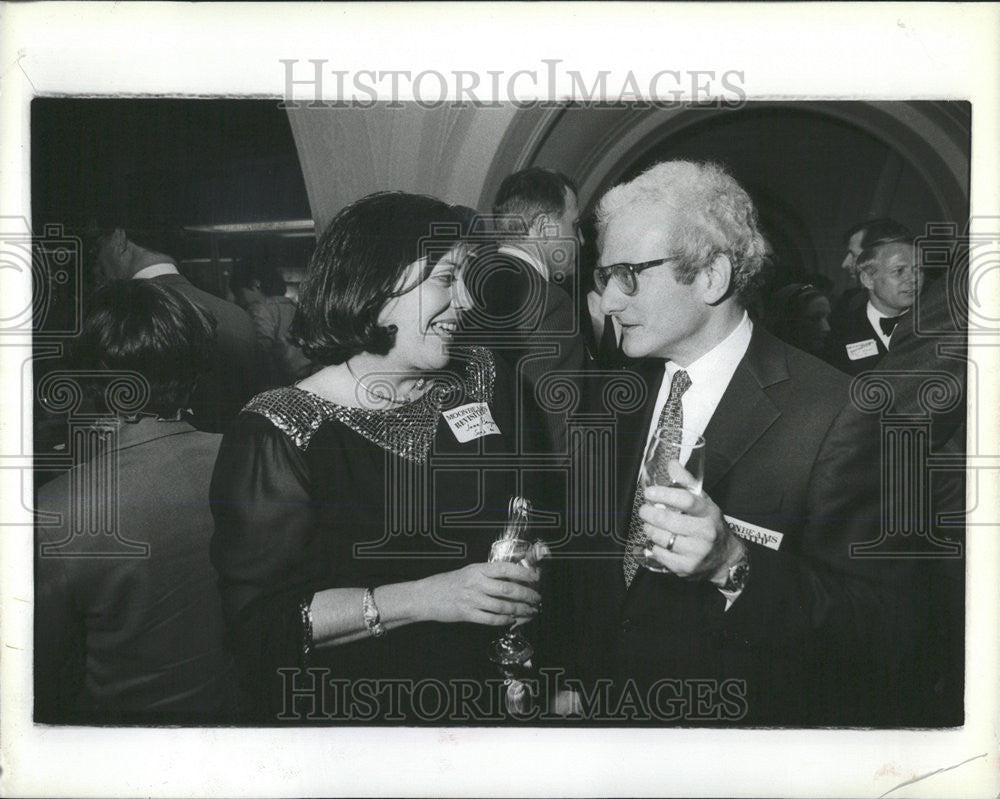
(460,298)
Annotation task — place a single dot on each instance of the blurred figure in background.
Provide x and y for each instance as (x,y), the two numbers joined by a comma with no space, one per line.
(121,639)
(232,375)
(601,332)
(799,315)
(259,288)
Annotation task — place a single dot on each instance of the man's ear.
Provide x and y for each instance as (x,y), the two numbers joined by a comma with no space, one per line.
(119,241)
(538,225)
(716,279)
(866,279)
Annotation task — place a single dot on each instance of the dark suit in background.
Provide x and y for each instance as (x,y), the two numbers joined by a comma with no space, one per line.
(234,373)
(929,348)
(137,638)
(811,617)
(854,331)
(525,319)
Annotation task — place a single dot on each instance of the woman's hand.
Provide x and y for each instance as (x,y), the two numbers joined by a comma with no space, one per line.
(497,594)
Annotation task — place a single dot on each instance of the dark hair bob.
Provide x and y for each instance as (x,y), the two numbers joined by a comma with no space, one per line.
(139,326)
(356,268)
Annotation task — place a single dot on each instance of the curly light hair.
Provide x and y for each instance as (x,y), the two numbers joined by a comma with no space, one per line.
(711,214)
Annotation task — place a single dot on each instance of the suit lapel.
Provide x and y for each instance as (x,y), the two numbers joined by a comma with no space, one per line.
(745,411)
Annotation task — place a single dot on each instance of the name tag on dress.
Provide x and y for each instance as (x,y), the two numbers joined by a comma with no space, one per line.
(471,421)
(752,532)
(862,349)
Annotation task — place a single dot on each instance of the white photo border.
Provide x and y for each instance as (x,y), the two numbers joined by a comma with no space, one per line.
(785,51)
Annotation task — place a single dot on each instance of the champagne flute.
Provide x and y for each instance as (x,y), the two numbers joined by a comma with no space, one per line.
(670,452)
(512,648)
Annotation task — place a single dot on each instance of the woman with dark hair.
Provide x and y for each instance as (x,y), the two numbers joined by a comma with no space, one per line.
(355,510)
(128,623)
(259,288)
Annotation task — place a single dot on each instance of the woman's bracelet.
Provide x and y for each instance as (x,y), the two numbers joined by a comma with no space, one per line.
(305,610)
(371,615)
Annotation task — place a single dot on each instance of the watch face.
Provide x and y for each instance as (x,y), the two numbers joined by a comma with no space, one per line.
(737,576)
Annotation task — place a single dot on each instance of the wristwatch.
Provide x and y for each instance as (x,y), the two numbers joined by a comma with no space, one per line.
(736,580)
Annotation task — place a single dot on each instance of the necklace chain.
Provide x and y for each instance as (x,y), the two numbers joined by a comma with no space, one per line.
(416,387)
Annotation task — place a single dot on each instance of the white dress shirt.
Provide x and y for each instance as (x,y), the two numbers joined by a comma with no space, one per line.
(710,376)
(874,315)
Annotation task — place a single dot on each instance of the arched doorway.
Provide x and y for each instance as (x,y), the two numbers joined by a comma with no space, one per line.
(814,168)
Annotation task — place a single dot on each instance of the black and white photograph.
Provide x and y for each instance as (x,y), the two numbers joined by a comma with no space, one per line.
(608,410)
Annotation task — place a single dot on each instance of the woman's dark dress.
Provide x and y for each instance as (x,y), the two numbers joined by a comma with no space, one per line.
(309,495)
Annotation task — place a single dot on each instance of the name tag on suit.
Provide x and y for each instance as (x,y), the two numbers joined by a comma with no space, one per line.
(861,349)
(753,532)
(471,421)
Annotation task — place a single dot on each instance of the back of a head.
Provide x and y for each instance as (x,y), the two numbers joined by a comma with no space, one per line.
(357,266)
(874,231)
(885,231)
(708,213)
(272,282)
(139,326)
(526,195)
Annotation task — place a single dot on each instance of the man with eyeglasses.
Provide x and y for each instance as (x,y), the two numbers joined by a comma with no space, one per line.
(760,610)
(889,273)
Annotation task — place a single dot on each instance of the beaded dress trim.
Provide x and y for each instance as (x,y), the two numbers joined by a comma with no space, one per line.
(406,430)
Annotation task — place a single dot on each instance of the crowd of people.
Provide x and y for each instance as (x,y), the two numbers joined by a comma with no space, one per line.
(318,482)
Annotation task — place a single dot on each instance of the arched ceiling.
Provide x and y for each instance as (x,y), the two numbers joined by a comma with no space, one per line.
(813,167)
(347,153)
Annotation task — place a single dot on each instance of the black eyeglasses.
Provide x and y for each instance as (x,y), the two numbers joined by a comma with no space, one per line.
(626,275)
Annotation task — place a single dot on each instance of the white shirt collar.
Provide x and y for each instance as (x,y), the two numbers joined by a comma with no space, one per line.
(874,314)
(524,255)
(155,270)
(710,376)
(720,361)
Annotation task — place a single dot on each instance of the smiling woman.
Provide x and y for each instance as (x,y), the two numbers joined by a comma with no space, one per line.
(353,517)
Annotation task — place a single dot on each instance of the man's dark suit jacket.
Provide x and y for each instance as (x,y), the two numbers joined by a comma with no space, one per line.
(810,618)
(234,372)
(853,329)
(528,321)
(138,637)
(929,348)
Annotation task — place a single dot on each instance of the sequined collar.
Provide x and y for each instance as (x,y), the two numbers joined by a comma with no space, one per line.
(406,430)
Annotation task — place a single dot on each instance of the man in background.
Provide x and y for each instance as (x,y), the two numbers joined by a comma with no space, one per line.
(232,374)
(137,637)
(889,274)
(523,289)
(858,237)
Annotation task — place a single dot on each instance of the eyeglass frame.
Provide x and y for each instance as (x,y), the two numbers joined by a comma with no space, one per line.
(632,270)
